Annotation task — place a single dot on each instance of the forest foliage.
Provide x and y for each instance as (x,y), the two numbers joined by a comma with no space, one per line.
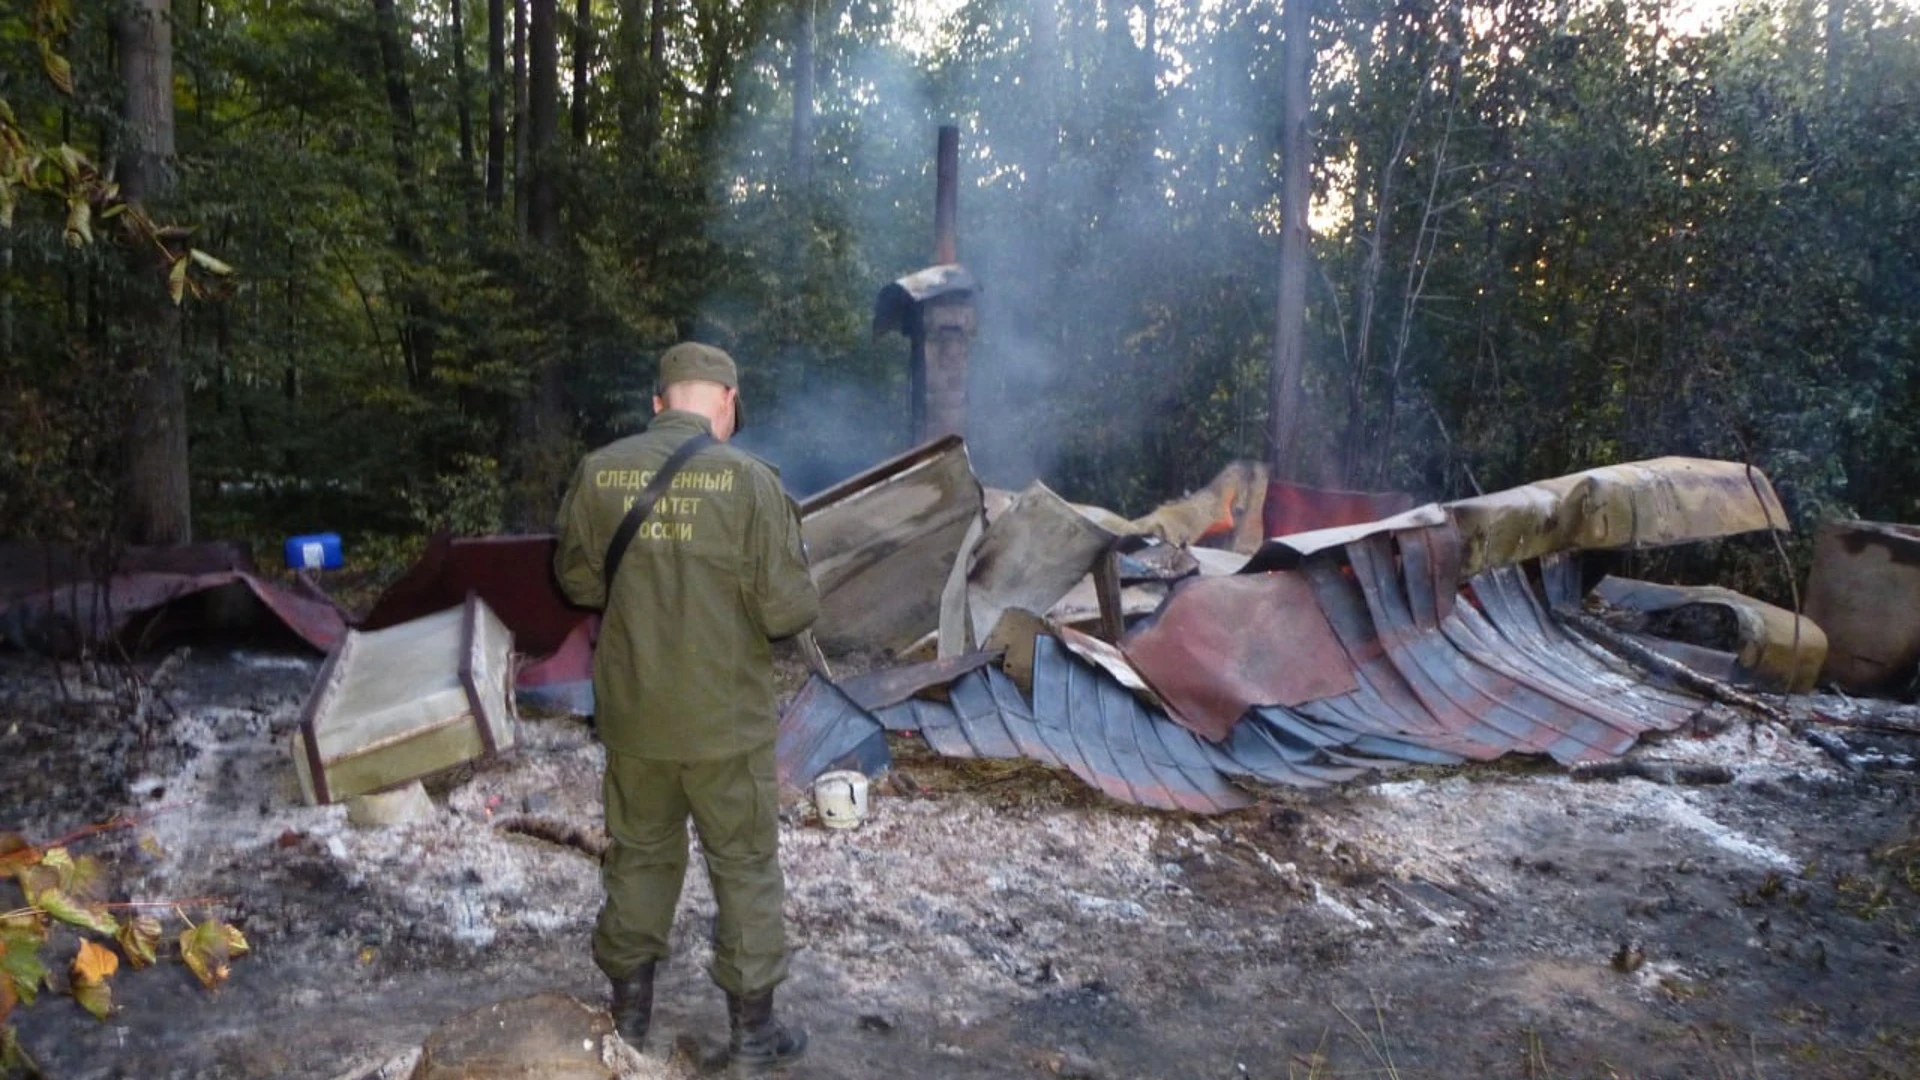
(1545,237)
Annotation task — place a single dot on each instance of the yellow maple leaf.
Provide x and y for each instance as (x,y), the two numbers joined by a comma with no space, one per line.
(94,963)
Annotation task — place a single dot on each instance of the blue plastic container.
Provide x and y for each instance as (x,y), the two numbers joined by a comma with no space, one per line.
(316,551)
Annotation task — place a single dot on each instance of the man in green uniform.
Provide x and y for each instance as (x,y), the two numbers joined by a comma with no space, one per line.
(683,691)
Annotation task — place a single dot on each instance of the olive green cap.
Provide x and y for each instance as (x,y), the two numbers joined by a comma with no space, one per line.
(692,360)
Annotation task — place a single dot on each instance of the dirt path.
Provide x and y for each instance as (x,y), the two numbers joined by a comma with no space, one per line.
(1485,922)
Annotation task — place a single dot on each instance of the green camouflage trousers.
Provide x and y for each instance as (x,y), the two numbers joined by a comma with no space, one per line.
(734,805)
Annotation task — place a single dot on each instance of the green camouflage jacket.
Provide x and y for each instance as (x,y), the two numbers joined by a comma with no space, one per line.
(683,670)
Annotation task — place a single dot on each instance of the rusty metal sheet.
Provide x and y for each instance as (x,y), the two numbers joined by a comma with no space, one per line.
(822,729)
(1385,698)
(1457,688)
(1221,645)
(64,617)
(31,567)
(1109,659)
(1560,670)
(888,686)
(1864,591)
(1030,557)
(1670,500)
(1774,648)
(881,545)
(1431,563)
(1515,613)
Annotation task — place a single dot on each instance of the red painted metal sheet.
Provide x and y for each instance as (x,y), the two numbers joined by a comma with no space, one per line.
(513,574)
(1222,645)
(1296,508)
(90,611)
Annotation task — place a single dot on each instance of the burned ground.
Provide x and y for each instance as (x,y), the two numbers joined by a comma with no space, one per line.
(997,919)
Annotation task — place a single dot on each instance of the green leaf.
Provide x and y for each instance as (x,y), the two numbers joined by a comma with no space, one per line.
(67,910)
(208,263)
(87,879)
(209,948)
(72,162)
(20,966)
(59,860)
(36,879)
(139,937)
(59,71)
(95,997)
(177,280)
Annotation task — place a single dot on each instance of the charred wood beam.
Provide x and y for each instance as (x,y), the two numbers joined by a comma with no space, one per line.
(1640,655)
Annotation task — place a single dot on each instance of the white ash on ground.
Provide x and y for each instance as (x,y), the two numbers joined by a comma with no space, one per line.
(988,920)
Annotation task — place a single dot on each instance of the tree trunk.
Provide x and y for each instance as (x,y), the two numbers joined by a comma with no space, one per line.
(417,337)
(582,66)
(520,116)
(463,88)
(1290,328)
(158,503)
(1836,47)
(800,153)
(543,102)
(496,103)
(656,76)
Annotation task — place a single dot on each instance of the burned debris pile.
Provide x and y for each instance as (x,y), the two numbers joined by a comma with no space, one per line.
(1254,634)
(1177,675)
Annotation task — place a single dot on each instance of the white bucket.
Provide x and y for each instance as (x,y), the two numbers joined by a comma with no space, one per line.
(841,798)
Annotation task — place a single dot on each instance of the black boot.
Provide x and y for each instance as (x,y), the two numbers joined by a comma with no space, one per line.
(633,1004)
(759,1042)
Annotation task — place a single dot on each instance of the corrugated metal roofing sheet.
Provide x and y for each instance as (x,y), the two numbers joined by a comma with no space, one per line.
(823,729)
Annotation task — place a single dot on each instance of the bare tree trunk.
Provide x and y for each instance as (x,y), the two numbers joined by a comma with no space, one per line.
(520,156)
(1836,46)
(1290,328)
(1425,240)
(656,75)
(582,67)
(800,153)
(1369,292)
(496,103)
(417,338)
(543,88)
(158,493)
(463,88)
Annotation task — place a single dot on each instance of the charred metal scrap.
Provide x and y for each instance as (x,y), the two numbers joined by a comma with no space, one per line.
(1423,638)
(52,599)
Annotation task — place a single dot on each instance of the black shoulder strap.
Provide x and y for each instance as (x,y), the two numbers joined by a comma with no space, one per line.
(643,504)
